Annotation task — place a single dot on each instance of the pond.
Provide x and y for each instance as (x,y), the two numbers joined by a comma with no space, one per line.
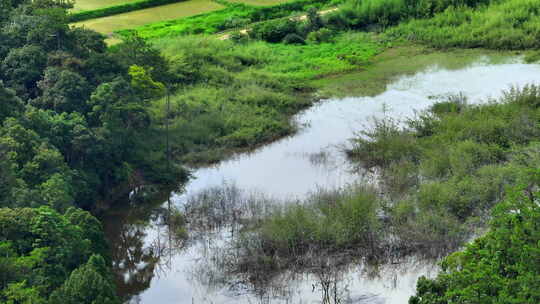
(154,267)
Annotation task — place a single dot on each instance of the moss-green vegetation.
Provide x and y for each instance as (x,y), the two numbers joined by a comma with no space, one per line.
(117,9)
(71,122)
(48,257)
(107,25)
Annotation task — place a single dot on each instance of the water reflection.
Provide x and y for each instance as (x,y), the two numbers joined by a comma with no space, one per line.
(153,265)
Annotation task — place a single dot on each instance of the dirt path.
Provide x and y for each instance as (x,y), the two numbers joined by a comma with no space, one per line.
(295,18)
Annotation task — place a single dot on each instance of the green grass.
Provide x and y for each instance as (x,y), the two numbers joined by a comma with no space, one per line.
(241,95)
(107,25)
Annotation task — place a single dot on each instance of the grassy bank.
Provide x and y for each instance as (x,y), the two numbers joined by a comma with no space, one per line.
(234,96)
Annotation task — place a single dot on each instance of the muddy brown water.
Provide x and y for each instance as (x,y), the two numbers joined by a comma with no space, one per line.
(153,267)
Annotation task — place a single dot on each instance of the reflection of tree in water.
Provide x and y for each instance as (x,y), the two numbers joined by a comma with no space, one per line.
(140,244)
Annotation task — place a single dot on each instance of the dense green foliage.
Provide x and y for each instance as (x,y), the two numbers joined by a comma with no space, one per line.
(48,257)
(72,115)
(501,267)
(118,9)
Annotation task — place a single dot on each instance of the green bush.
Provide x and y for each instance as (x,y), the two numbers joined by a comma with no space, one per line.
(499,267)
(321,36)
(274,31)
(385,143)
(331,220)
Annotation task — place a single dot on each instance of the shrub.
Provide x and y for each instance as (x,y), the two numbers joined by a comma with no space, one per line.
(499,267)
(274,30)
(321,36)
(384,144)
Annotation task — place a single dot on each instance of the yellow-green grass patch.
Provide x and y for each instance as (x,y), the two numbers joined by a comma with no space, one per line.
(107,25)
(260,2)
(86,5)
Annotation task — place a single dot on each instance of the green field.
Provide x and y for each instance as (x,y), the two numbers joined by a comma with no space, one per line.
(107,25)
(85,5)
(260,2)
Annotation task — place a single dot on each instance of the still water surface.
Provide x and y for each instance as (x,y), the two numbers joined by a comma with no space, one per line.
(154,269)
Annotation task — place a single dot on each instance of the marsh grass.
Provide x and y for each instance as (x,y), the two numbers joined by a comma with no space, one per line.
(509,24)
(235,96)
(439,177)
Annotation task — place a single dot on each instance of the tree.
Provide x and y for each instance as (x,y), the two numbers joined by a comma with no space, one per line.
(89,284)
(23,68)
(144,85)
(136,51)
(63,91)
(10,104)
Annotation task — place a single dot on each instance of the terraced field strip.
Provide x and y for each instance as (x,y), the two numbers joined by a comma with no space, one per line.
(107,25)
(260,2)
(86,5)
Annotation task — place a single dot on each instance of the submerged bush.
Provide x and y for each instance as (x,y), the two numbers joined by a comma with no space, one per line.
(329,221)
(385,143)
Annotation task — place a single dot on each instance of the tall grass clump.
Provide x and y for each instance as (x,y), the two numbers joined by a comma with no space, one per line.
(501,25)
(365,14)
(331,221)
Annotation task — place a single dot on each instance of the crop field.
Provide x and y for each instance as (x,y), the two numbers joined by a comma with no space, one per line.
(260,2)
(85,5)
(110,24)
